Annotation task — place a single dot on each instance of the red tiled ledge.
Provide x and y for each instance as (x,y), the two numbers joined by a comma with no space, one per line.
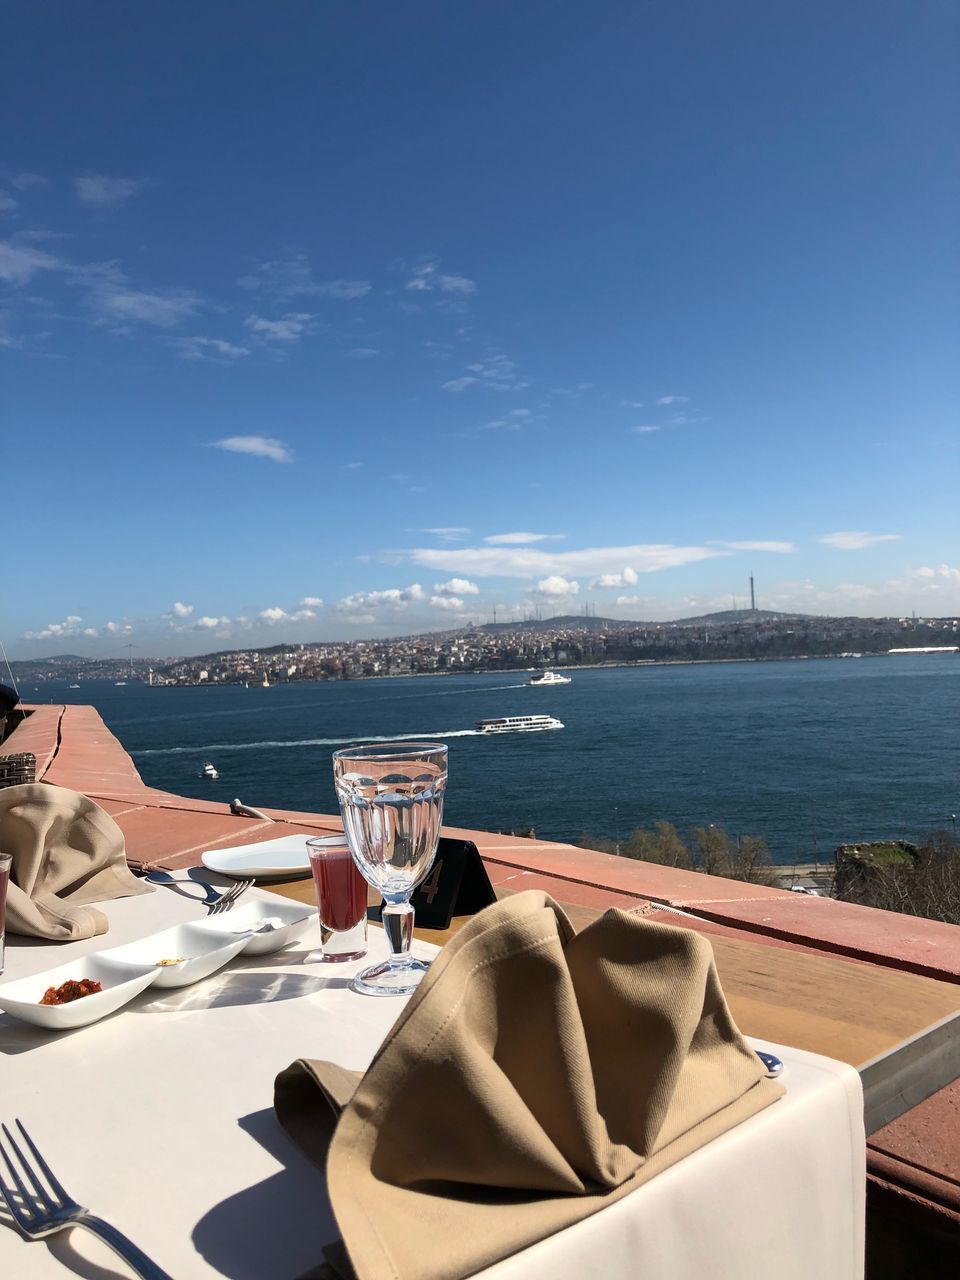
(75,749)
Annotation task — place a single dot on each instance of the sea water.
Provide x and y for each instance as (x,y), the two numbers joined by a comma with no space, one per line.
(808,753)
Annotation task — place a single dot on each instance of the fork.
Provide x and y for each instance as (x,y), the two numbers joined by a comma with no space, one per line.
(40,1213)
(226,901)
(210,894)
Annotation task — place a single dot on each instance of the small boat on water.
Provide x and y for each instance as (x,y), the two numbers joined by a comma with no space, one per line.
(208,771)
(548,678)
(518,724)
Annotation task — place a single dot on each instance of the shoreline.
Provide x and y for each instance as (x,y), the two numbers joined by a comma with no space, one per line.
(484,671)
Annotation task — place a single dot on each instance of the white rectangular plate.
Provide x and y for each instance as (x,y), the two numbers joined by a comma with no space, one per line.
(285,857)
(121,982)
(292,921)
(198,953)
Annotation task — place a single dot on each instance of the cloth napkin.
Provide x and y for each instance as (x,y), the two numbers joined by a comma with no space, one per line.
(535,1076)
(67,853)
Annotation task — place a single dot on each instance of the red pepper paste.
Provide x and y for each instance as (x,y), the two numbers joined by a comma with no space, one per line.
(71,990)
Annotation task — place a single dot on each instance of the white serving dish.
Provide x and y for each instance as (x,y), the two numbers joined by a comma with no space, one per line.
(285,857)
(294,919)
(203,953)
(121,981)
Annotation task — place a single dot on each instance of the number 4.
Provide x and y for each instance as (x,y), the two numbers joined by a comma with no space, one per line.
(431,885)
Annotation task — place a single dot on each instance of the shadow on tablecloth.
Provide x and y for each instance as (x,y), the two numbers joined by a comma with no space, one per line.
(239,1236)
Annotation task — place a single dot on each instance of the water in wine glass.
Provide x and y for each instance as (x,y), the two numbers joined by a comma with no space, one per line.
(391,800)
(393,823)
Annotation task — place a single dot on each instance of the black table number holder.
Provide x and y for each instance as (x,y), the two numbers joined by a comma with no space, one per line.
(457,885)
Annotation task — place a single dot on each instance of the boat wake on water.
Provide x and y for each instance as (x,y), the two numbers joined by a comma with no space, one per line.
(307,742)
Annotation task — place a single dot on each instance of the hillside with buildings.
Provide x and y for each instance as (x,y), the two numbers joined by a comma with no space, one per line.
(736,635)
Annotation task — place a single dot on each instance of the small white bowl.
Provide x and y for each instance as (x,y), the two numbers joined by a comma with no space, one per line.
(198,954)
(120,981)
(291,921)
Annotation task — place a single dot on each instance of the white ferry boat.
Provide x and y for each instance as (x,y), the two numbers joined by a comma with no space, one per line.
(207,770)
(549,678)
(518,724)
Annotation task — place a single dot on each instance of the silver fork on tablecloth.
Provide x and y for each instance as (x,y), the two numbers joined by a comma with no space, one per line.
(230,897)
(48,1208)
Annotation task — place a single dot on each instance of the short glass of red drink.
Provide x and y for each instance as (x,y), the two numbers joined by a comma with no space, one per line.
(341,899)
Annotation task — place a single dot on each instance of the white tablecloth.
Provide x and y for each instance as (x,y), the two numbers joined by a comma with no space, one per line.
(160,1119)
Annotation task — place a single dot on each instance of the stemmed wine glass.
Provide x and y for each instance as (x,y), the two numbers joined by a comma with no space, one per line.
(391,799)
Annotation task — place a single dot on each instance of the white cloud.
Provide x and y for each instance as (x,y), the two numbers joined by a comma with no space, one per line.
(456,587)
(776,547)
(102,192)
(116,303)
(258,446)
(645,429)
(206,623)
(857,540)
(631,600)
(7,203)
(941,571)
(363,353)
(394,597)
(20,263)
(117,628)
(672,399)
(209,349)
(628,578)
(181,610)
(428,278)
(451,533)
(289,328)
(311,602)
(57,630)
(497,373)
(555,588)
(275,614)
(24,181)
(631,404)
(513,539)
(531,562)
(345,289)
(446,602)
(292,277)
(516,419)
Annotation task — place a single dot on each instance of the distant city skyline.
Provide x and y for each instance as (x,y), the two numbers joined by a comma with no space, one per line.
(364,322)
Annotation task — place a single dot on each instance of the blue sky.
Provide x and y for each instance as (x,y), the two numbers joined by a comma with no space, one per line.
(358,319)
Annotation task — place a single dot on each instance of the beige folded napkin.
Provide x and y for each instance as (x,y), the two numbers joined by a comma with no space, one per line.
(536,1076)
(67,853)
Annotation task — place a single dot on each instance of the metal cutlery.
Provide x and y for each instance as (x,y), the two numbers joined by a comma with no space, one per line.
(48,1209)
(226,901)
(771,1063)
(216,900)
(210,892)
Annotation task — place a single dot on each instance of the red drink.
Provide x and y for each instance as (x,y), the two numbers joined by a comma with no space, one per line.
(341,889)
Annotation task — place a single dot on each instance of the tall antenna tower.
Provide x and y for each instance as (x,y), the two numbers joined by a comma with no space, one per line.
(753,598)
